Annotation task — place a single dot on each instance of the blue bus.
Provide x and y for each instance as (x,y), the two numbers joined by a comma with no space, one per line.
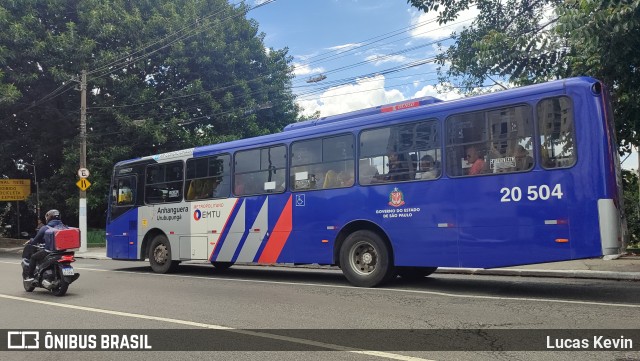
(522,176)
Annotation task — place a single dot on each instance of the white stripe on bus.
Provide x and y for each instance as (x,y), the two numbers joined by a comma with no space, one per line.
(254,239)
(234,236)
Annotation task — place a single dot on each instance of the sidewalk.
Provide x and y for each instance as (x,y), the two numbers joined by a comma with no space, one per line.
(626,267)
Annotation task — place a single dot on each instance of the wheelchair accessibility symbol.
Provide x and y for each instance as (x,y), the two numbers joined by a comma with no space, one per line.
(300,200)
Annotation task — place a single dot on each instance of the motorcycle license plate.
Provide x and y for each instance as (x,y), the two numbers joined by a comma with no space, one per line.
(67,271)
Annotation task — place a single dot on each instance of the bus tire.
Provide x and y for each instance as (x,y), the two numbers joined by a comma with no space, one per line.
(160,255)
(415,273)
(365,259)
(221,266)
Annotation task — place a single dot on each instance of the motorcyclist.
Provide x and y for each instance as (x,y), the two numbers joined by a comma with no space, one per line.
(52,219)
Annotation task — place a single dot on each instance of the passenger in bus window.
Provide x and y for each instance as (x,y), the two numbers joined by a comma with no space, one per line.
(428,168)
(523,160)
(221,187)
(398,168)
(331,179)
(125,195)
(238,187)
(208,186)
(475,160)
(367,173)
(195,189)
(346,178)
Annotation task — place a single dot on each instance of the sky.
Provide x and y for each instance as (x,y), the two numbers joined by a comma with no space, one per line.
(369,51)
(372,52)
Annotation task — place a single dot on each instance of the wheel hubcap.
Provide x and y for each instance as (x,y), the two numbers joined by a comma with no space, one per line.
(160,254)
(363,258)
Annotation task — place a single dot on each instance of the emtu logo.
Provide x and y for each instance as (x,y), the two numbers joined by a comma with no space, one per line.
(197,215)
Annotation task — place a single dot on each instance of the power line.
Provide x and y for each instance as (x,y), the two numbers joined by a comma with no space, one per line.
(340,54)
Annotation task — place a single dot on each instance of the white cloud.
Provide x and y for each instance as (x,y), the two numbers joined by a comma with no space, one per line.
(344,46)
(437,92)
(427,26)
(305,69)
(365,93)
(380,59)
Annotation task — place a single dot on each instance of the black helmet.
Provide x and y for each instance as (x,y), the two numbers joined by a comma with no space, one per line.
(52,214)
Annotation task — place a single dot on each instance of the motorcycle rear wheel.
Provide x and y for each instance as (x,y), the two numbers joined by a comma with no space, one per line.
(61,290)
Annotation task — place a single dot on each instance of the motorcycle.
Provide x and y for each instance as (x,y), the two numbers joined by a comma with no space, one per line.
(53,273)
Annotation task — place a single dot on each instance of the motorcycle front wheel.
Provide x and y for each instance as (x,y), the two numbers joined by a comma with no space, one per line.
(28,286)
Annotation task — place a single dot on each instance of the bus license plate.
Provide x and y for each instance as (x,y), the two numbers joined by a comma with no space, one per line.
(67,271)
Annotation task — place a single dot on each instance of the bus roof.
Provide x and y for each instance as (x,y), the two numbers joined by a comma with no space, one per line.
(376,115)
(405,104)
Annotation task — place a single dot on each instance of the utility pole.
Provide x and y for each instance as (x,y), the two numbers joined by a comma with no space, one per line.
(82,210)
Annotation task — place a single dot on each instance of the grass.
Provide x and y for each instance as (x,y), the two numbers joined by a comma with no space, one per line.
(96,238)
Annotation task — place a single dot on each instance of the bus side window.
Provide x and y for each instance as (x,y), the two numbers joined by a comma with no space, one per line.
(164,183)
(208,177)
(322,163)
(260,171)
(555,123)
(390,154)
(484,142)
(123,191)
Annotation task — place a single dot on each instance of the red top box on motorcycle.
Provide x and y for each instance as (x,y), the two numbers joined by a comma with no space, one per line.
(66,238)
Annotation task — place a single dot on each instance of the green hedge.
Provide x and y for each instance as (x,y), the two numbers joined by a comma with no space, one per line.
(96,238)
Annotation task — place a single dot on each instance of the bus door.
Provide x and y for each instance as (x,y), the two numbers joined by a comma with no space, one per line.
(123,219)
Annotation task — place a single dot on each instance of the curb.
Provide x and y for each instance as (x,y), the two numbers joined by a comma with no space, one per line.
(88,255)
(602,275)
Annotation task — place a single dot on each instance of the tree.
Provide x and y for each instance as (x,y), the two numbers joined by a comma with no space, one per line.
(528,42)
(631,205)
(162,75)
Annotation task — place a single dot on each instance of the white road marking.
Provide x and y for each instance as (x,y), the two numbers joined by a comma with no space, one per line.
(328,346)
(387,290)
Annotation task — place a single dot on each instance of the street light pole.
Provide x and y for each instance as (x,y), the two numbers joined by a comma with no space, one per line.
(35,180)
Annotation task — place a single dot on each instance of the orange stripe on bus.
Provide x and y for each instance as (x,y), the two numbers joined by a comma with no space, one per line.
(279,236)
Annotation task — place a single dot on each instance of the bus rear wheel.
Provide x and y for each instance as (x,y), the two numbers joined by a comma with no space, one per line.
(415,273)
(365,259)
(160,255)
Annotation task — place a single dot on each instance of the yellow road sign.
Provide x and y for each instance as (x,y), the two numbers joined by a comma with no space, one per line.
(14,189)
(83,184)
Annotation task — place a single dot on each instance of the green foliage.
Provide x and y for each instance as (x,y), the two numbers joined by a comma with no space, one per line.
(631,205)
(96,237)
(162,75)
(534,41)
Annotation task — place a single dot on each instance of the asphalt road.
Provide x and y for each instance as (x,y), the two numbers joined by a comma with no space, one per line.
(263,300)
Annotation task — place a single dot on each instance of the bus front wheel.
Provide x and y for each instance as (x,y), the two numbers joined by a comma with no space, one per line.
(160,255)
(365,259)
